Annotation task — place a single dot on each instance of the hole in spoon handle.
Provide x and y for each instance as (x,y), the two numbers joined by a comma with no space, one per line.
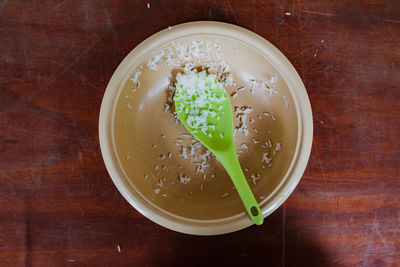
(255,214)
(254,211)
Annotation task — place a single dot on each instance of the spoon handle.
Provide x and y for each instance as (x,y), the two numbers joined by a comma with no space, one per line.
(231,164)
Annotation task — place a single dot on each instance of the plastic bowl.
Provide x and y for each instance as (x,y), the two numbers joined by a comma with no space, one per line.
(142,144)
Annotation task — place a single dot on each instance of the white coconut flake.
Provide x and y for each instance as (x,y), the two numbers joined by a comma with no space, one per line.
(244,146)
(119,248)
(169,155)
(157,190)
(135,79)
(167,107)
(286,101)
(146,176)
(184,179)
(255,178)
(269,143)
(152,63)
(265,158)
(225,195)
(184,153)
(160,183)
(129,106)
(241,114)
(257,85)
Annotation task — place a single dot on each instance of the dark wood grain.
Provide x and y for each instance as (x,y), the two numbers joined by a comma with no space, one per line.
(58,205)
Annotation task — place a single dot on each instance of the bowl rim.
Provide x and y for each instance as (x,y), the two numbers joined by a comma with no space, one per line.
(301,103)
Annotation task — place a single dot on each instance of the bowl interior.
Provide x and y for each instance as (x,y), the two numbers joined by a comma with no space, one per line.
(149,143)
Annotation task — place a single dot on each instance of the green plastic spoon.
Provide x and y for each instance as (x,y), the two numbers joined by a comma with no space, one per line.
(203,106)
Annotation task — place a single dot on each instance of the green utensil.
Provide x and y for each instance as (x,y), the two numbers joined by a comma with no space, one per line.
(203,106)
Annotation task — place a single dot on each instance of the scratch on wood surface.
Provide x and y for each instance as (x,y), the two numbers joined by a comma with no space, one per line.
(211,10)
(76,74)
(56,74)
(110,26)
(277,24)
(59,4)
(233,13)
(391,20)
(65,68)
(322,170)
(254,14)
(190,8)
(319,13)
(342,16)
(319,44)
(3,4)
(293,7)
(375,227)
(43,133)
(350,250)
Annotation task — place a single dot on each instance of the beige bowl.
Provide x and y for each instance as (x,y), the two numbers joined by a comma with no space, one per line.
(142,145)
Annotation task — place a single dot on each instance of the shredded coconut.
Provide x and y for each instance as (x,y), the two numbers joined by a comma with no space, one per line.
(135,79)
(184,179)
(255,178)
(152,63)
(241,114)
(194,94)
(286,101)
(264,86)
(244,146)
(265,158)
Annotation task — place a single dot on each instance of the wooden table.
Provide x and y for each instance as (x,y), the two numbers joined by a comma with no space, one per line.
(58,205)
